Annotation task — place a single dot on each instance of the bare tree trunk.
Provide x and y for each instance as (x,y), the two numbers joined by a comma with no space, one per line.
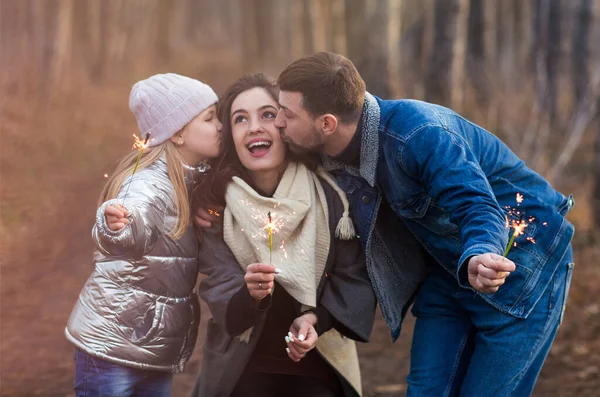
(490,33)
(524,31)
(163,27)
(394,48)
(580,50)
(308,14)
(596,176)
(438,82)
(318,15)
(298,28)
(376,75)
(553,63)
(459,56)
(249,36)
(338,28)
(356,33)
(61,60)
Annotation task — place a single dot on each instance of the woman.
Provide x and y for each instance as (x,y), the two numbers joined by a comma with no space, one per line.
(268,318)
(136,319)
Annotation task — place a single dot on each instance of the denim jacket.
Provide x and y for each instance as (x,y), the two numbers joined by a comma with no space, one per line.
(453,185)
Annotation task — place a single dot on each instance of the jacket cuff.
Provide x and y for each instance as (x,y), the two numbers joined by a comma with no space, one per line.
(325,320)
(106,239)
(462,274)
(242,311)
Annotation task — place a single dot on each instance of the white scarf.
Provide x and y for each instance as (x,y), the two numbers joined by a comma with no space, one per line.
(301,236)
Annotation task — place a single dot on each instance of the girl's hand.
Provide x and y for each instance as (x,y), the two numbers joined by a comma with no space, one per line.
(116,217)
(302,337)
(259,279)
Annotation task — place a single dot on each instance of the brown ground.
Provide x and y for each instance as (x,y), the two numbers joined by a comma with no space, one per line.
(48,203)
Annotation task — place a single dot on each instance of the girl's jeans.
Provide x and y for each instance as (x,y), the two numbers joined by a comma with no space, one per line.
(95,377)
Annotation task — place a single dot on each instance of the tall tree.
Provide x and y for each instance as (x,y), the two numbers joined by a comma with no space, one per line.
(439,76)
(356,33)
(459,54)
(580,49)
(553,60)
(375,73)
(596,175)
(337,39)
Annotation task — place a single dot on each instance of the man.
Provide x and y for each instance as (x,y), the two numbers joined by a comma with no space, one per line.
(427,186)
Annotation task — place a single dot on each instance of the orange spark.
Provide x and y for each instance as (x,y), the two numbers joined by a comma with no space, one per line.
(519,198)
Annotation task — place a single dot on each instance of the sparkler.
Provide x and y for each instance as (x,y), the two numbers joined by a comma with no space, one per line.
(272,224)
(518,225)
(140,146)
(270,234)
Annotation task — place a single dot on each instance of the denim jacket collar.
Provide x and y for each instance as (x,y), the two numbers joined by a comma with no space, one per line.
(369,149)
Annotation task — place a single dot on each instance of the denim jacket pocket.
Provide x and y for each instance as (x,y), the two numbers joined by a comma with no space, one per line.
(423,210)
(567,286)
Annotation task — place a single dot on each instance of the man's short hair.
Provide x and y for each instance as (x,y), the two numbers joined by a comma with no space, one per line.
(328,82)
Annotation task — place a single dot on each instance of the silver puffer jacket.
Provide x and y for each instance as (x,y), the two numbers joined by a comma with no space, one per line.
(138,307)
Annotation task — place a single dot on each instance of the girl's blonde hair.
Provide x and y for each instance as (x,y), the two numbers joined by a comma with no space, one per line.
(175,172)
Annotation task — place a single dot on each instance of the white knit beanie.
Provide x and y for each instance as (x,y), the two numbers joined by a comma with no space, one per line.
(164,103)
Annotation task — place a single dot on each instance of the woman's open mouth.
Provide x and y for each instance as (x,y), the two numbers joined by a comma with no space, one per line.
(259,147)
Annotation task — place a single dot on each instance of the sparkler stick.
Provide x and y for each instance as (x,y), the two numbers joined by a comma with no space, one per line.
(140,146)
(518,226)
(270,233)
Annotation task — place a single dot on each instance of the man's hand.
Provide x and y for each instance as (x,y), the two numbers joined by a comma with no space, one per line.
(116,217)
(488,272)
(206,217)
(259,279)
(302,337)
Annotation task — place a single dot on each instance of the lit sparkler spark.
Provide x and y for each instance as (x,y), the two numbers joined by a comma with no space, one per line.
(518,229)
(519,198)
(140,146)
(213,212)
(518,225)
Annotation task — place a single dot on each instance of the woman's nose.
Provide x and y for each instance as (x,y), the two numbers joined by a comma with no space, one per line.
(254,126)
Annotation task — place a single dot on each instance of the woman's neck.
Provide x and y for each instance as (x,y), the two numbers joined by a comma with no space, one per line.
(266,182)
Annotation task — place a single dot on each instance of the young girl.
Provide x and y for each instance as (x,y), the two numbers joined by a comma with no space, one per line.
(136,319)
(278,333)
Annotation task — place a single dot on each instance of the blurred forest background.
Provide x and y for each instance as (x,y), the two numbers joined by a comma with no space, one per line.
(527,70)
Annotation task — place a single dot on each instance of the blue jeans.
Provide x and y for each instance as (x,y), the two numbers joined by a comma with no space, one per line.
(95,377)
(462,346)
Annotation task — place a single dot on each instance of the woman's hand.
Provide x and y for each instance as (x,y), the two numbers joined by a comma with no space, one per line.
(116,217)
(259,279)
(302,337)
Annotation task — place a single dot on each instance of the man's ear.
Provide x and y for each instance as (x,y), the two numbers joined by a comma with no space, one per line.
(329,124)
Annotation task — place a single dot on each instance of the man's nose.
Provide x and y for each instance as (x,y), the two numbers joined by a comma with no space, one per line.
(279,120)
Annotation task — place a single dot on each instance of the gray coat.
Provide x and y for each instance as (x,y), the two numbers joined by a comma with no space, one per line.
(346,293)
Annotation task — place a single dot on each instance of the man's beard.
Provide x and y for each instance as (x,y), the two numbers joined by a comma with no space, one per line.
(314,146)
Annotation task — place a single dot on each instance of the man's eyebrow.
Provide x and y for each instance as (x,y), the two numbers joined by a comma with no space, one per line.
(286,109)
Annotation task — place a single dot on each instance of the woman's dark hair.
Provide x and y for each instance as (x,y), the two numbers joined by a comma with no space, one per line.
(213,187)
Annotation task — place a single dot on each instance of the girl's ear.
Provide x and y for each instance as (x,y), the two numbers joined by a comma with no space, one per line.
(177,139)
